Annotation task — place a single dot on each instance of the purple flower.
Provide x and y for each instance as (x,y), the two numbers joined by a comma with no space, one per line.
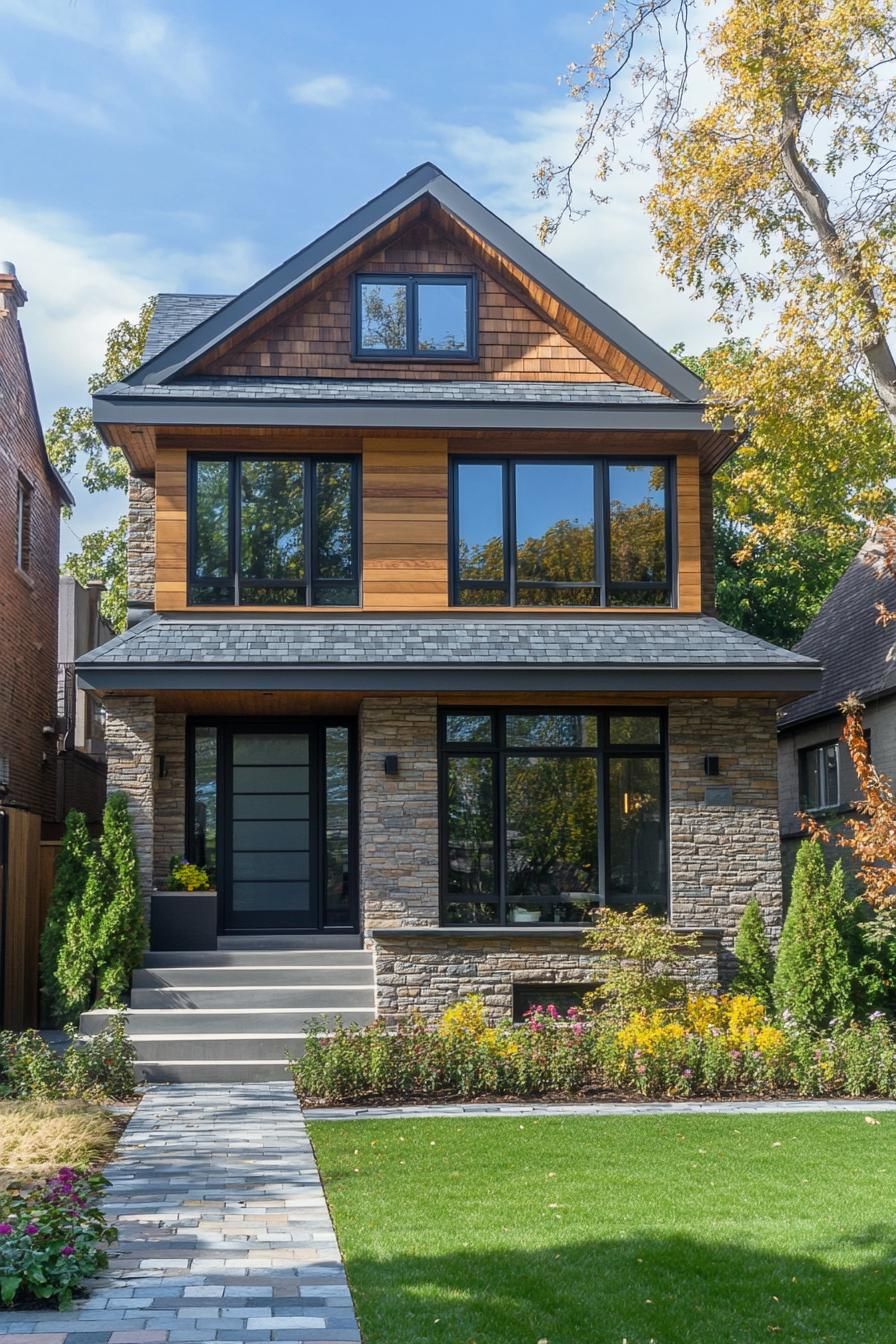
(67,1174)
(32,1230)
(5,1229)
(67,1251)
(642,1068)
(875,1017)
(687,1073)
(736,1054)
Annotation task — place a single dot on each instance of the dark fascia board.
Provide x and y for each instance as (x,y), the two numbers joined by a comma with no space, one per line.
(196,411)
(831,711)
(429,180)
(141,677)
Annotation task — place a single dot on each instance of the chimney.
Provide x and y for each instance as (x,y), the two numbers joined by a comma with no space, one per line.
(12,295)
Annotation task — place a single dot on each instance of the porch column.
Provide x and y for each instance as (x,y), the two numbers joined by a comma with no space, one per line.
(130,758)
(724,835)
(170,839)
(399,814)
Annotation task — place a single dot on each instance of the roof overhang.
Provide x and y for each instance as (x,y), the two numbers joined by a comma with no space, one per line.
(433,678)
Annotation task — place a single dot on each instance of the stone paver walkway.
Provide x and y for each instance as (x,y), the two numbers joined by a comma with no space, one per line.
(224,1230)
(510,1108)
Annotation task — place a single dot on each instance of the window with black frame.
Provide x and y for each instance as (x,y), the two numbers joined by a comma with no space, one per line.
(273,531)
(429,316)
(819,771)
(575,532)
(544,815)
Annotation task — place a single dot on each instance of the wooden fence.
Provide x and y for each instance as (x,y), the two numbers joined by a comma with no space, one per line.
(27,867)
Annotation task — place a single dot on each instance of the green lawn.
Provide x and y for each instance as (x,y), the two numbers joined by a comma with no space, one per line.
(679,1229)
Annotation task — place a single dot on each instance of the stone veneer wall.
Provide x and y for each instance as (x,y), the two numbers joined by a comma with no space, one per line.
(141,540)
(399,823)
(425,974)
(130,760)
(169,836)
(724,854)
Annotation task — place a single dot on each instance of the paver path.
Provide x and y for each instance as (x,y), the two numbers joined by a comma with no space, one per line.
(224,1230)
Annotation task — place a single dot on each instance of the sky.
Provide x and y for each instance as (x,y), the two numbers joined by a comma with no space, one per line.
(194,146)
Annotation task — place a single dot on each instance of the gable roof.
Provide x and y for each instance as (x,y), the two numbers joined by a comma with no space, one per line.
(176,314)
(857,653)
(427,182)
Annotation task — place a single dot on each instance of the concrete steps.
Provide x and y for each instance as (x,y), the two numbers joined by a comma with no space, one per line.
(235,1015)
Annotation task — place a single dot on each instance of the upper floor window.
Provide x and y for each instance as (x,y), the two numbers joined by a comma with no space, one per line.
(23,525)
(580,532)
(415,317)
(273,531)
(819,769)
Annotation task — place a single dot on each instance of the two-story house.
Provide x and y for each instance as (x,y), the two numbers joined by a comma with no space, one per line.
(422,656)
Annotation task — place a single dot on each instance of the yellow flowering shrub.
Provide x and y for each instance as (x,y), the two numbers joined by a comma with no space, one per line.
(465,1018)
(737,1019)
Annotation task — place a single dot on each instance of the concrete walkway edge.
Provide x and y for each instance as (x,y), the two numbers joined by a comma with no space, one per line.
(809,1105)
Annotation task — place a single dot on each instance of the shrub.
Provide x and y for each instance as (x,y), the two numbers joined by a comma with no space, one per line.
(755,964)
(115,904)
(72,867)
(99,1068)
(184,876)
(52,1239)
(814,978)
(640,952)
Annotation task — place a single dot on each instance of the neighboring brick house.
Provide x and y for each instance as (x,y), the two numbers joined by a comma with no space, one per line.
(858,655)
(422,654)
(31,495)
(81,776)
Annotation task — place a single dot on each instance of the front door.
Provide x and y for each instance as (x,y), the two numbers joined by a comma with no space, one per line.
(283,821)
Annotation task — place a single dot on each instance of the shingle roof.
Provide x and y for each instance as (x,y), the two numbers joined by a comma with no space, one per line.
(622,648)
(175,315)
(857,653)
(391,390)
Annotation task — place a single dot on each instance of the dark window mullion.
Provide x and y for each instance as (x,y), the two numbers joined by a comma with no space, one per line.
(309,526)
(509,470)
(236,524)
(602,528)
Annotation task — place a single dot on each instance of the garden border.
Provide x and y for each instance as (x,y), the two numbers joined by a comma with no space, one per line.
(595,1108)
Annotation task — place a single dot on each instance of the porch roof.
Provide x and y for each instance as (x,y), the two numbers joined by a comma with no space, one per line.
(447,652)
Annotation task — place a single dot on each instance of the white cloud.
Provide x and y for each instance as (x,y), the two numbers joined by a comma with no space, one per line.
(334,91)
(80,283)
(145,39)
(54,102)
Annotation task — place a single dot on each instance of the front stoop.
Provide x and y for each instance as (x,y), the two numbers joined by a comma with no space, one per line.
(235,1016)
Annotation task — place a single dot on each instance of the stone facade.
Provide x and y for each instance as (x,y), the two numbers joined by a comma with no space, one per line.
(169,831)
(399,814)
(141,540)
(426,974)
(130,761)
(723,831)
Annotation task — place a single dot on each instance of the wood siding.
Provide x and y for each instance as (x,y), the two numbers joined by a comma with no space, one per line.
(314,339)
(404,512)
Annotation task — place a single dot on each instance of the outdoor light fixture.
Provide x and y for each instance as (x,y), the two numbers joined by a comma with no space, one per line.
(163,766)
(390,765)
(710,765)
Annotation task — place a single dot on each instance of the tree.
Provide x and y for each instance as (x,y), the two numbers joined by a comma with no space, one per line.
(778,193)
(640,953)
(755,964)
(121,932)
(72,868)
(72,439)
(814,976)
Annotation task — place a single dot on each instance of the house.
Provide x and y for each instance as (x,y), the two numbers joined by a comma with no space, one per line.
(31,495)
(816,775)
(81,776)
(422,660)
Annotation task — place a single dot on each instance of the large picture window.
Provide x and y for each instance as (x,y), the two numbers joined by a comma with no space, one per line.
(544,815)
(415,317)
(273,531)
(578,532)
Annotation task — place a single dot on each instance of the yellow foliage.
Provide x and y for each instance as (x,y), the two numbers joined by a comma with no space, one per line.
(465,1018)
(737,1019)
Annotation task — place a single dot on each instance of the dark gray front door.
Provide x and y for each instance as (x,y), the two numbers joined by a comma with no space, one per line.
(271,823)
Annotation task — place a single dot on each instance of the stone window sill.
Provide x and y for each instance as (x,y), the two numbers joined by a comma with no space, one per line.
(25,577)
(504,931)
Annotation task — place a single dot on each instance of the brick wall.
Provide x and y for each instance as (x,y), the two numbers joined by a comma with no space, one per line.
(130,760)
(399,825)
(314,339)
(28,601)
(141,540)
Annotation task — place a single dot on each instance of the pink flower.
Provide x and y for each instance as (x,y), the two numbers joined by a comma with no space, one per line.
(578,1029)
(5,1229)
(687,1073)
(572,1012)
(31,1230)
(552,1011)
(642,1068)
(67,1251)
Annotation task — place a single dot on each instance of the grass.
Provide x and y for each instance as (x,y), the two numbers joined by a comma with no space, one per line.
(38,1137)
(680,1229)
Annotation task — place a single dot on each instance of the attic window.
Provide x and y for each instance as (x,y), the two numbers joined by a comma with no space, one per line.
(414,317)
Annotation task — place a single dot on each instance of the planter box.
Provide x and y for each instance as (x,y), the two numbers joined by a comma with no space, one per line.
(184,921)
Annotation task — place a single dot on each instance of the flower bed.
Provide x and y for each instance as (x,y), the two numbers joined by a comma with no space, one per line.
(100,1068)
(52,1238)
(708,1047)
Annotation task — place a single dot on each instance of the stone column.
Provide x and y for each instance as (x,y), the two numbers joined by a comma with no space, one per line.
(141,540)
(399,822)
(169,836)
(724,842)
(130,758)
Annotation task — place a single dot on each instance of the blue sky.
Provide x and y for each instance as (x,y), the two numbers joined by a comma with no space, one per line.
(193,146)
